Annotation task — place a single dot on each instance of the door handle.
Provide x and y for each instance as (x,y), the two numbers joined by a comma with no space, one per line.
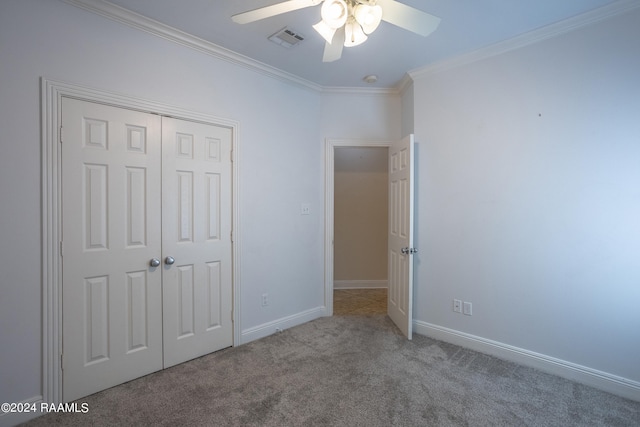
(169,260)
(154,262)
(408,251)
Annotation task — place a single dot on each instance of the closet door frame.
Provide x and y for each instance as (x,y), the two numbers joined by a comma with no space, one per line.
(52,93)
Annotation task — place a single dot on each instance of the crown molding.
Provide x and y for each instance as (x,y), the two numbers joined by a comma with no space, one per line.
(135,20)
(140,22)
(360,90)
(404,84)
(544,33)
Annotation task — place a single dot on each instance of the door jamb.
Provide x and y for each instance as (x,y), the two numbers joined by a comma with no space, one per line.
(52,93)
(330,146)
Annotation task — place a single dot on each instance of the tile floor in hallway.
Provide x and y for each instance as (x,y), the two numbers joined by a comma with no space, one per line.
(359,301)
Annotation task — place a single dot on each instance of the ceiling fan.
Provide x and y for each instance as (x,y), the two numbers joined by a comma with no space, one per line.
(347,23)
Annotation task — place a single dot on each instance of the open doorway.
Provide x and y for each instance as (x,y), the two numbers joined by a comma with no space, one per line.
(356,229)
(360,215)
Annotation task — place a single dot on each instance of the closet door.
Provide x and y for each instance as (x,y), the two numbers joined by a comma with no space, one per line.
(111,228)
(196,239)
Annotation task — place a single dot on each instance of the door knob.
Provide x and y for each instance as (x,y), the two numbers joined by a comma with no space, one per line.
(154,262)
(169,260)
(404,250)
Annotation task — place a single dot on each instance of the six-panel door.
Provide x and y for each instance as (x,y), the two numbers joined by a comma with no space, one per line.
(196,217)
(111,180)
(400,292)
(139,190)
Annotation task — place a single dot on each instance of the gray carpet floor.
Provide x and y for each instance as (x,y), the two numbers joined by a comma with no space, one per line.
(350,371)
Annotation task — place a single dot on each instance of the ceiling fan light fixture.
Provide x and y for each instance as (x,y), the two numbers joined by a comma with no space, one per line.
(334,13)
(353,34)
(347,23)
(325,31)
(368,17)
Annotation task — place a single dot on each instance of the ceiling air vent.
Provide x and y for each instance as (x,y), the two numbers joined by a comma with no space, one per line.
(286,37)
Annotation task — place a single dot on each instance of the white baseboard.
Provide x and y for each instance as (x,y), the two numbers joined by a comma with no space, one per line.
(9,419)
(601,380)
(271,328)
(360,284)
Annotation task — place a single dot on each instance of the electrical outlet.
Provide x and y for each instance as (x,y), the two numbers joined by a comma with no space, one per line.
(305,209)
(457,306)
(265,300)
(467,308)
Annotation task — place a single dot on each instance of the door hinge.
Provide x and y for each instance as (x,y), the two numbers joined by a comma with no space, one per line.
(231,155)
(61,248)
(62,361)
(61,134)
(231,236)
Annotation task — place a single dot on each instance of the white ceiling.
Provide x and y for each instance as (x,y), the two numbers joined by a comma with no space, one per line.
(389,53)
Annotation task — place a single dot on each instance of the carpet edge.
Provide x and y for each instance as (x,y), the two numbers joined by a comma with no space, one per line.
(270,328)
(604,381)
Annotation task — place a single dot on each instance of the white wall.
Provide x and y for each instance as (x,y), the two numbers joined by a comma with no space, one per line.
(407,109)
(364,116)
(280,157)
(529,198)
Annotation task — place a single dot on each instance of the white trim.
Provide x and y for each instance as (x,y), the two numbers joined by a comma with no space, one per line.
(15,418)
(529,38)
(601,380)
(360,90)
(148,25)
(329,152)
(281,324)
(360,284)
(404,84)
(140,22)
(52,93)
(156,28)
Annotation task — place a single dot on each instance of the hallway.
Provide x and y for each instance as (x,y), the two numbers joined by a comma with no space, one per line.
(359,301)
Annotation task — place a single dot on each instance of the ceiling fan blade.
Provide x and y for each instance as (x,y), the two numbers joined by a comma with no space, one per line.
(408,18)
(273,10)
(333,50)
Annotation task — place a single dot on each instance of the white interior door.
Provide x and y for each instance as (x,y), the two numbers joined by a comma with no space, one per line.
(197,235)
(401,250)
(112,319)
(146,226)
